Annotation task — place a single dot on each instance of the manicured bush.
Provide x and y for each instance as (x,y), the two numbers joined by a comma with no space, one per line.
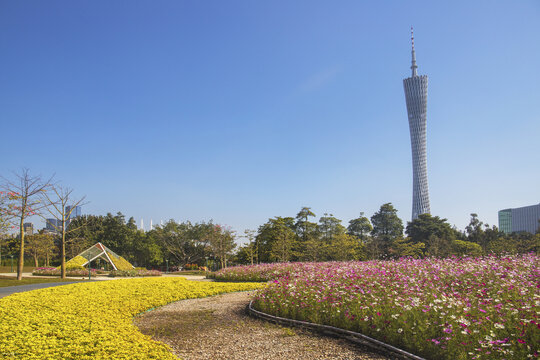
(459,308)
(134,273)
(87,321)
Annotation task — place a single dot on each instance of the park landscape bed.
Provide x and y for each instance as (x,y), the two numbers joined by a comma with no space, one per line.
(94,320)
(78,271)
(458,308)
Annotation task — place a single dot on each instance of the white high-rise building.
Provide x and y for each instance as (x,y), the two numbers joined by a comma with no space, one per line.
(416,97)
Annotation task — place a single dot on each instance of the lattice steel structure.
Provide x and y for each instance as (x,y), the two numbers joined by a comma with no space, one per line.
(416,97)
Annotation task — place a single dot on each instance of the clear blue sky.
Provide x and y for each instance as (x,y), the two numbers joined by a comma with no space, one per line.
(239,111)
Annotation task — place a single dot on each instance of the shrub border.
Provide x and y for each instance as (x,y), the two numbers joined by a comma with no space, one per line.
(331,330)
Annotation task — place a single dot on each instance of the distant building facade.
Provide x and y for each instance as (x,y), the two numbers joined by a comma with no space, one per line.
(52,225)
(28,228)
(75,213)
(520,219)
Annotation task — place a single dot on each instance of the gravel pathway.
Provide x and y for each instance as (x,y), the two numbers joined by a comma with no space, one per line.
(219,328)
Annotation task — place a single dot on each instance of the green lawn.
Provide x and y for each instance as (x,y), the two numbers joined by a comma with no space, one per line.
(12,281)
(7,268)
(188,272)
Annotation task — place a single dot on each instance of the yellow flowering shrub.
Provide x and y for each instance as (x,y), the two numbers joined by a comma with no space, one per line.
(120,262)
(76,262)
(93,320)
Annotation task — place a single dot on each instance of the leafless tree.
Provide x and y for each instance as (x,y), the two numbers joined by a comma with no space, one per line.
(24,193)
(60,204)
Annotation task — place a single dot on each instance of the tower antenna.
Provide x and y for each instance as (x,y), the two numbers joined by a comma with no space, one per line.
(413,67)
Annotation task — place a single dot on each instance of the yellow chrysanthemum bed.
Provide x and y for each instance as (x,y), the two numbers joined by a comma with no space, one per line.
(93,320)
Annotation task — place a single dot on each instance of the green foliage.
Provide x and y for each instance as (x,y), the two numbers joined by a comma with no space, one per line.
(344,247)
(387,227)
(421,228)
(360,227)
(408,248)
(462,248)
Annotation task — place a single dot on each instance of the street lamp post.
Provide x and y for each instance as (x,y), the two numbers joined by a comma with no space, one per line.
(11,262)
(167,271)
(89,270)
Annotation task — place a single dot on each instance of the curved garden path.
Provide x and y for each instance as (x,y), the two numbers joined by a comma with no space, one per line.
(219,328)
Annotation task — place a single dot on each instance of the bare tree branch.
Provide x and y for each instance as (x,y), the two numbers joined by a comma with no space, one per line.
(24,194)
(60,206)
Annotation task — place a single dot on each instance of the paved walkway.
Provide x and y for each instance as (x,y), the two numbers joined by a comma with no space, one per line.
(8,290)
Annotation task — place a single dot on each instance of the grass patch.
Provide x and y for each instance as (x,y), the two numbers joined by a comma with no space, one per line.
(188,272)
(12,281)
(7,268)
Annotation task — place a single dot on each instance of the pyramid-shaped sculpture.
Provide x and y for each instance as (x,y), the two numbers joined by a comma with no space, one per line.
(100,251)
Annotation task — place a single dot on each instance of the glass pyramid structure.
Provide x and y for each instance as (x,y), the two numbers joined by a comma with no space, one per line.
(100,251)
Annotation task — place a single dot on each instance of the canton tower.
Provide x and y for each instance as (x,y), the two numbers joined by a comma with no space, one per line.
(416,98)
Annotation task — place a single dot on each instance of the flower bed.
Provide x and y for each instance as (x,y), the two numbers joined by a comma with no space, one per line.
(93,320)
(134,273)
(257,273)
(74,271)
(483,308)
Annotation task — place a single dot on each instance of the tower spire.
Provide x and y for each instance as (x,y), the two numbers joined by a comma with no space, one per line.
(413,66)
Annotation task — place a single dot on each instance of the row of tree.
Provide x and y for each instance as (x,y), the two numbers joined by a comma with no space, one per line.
(299,239)
(281,239)
(27,195)
(179,243)
(176,243)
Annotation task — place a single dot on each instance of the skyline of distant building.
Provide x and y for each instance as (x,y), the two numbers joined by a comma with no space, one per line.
(52,224)
(74,214)
(28,228)
(525,218)
(416,88)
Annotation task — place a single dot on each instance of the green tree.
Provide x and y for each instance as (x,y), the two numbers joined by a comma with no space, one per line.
(180,241)
(475,232)
(408,248)
(526,242)
(329,226)
(251,248)
(502,244)
(387,227)
(433,232)
(344,247)
(308,242)
(462,248)
(116,234)
(222,243)
(277,239)
(83,232)
(360,227)
(41,245)
(439,247)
